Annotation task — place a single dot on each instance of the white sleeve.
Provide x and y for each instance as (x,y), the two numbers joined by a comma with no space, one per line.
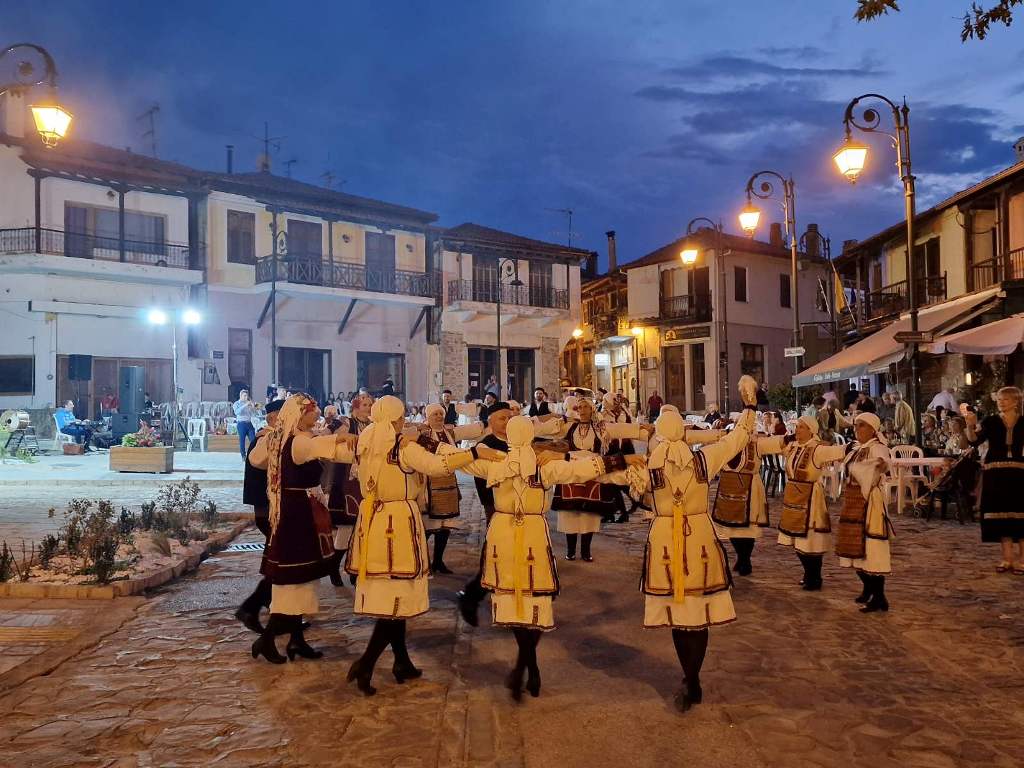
(306,448)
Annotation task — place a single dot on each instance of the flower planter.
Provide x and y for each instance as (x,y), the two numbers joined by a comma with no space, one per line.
(222,443)
(158,459)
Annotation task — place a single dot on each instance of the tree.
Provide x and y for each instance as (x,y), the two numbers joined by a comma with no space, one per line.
(977,19)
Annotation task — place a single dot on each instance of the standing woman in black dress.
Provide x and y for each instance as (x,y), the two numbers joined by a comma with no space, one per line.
(1002,476)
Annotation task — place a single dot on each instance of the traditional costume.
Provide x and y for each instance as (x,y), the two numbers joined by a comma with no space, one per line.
(863,532)
(300,547)
(344,496)
(388,552)
(1002,478)
(693,437)
(804,522)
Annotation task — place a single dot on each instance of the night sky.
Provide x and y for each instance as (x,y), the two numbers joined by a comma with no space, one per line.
(637,115)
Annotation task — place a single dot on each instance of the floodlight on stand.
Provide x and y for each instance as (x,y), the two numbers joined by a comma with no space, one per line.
(156,317)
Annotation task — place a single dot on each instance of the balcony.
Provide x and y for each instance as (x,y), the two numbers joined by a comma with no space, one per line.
(314,270)
(1009,266)
(57,242)
(891,300)
(691,308)
(486,291)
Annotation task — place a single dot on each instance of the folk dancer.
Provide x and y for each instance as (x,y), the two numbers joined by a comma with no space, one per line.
(342,488)
(1002,476)
(804,522)
(254,493)
(685,578)
(613,411)
(440,498)
(388,551)
(300,549)
(864,530)
(518,567)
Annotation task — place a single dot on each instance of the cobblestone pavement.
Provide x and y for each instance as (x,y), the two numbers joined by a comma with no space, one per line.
(801,679)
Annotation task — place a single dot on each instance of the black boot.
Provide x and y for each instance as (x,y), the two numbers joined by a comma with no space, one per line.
(297,645)
(585,540)
(744,548)
(471,595)
(812,579)
(865,593)
(691,647)
(335,572)
(403,668)
(570,546)
(526,661)
(804,562)
(440,542)
(264,645)
(249,611)
(362,670)
(532,669)
(877,601)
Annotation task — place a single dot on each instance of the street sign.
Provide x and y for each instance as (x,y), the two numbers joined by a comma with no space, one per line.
(914,337)
(793,351)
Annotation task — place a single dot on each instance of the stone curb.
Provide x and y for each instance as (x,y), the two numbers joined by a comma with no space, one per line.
(128,586)
(115,483)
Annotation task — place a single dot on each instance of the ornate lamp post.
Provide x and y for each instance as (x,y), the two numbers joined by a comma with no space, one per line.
(51,119)
(688,255)
(506,268)
(749,218)
(850,160)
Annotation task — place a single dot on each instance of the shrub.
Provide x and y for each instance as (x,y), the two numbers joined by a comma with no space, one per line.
(24,566)
(74,525)
(209,514)
(6,562)
(148,515)
(162,543)
(126,523)
(101,552)
(47,549)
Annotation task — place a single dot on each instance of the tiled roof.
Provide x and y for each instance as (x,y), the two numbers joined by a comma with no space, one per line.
(707,238)
(496,237)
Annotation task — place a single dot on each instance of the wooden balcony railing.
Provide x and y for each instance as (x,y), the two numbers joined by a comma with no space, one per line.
(890,300)
(1008,266)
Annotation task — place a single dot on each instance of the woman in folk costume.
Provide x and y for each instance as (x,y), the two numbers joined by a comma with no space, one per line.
(1002,476)
(518,566)
(804,522)
(388,552)
(582,506)
(863,533)
(440,498)
(343,494)
(740,509)
(685,578)
(300,547)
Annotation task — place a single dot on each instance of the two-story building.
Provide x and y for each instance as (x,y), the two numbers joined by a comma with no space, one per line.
(698,327)
(503,291)
(968,270)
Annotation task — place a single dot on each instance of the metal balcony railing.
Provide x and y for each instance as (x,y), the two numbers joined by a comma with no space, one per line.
(315,270)
(86,246)
(691,308)
(890,300)
(520,295)
(1008,266)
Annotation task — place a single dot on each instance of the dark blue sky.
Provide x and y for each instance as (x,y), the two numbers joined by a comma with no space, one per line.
(638,115)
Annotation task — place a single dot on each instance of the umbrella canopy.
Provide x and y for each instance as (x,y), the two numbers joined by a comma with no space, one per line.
(998,338)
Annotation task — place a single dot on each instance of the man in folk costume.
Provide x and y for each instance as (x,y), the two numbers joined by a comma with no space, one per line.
(863,533)
(804,522)
(254,492)
(613,411)
(582,506)
(388,551)
(685,578)
(300,549)
(342,488)
(518,567)
(1002,476)
(441,496)
(740,509)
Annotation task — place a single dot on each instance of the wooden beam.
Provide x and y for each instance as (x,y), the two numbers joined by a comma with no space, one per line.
(348,314)
(266,308)
(416,325)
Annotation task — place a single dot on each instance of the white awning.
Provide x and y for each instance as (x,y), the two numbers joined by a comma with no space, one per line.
(878,351)
(998,338)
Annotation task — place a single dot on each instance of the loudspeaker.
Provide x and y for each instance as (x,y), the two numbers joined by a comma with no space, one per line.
(122,424)
(80,367)
(131,392)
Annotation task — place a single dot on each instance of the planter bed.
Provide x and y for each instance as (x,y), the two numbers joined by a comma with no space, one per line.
(158,459)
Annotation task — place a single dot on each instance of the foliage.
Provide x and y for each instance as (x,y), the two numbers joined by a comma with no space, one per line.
(977,20)
(74,524)
(991,377)
(209,514)
(7,566)
(126,524)
(19,455)
(47,549)
(102,552)
(146,437)
(147,516)
(162,543)
(27,562)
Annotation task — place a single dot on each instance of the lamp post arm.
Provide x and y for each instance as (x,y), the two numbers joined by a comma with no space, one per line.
(705,219)
(25,72)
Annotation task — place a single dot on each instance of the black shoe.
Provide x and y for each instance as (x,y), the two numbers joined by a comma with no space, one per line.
(287,631)
(469,608)
(406,671)
(264,646)
(744,569)
(299,647)
(570,557)
(440,567)
(514,682)
(688,696)
(813,586)
(863,597)
(587,558)
(876,604)
(533,682)
(362,678)
(250,620)
(622,519)
(335,576)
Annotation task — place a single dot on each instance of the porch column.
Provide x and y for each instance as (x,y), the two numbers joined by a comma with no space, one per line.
(120,222)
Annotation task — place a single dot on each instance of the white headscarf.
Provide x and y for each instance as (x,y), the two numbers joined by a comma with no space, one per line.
(377,440)
(670,428)
(669,408)
(875,423)
(521,461)
(434,408)
(610,401)
(811,423)
(575,415)
(515,405)
(287,425)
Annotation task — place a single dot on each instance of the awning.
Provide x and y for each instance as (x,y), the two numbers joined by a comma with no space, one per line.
(878,351)
(998,338)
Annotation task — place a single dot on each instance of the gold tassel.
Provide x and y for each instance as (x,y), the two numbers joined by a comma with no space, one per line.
(678,549)
(366,509)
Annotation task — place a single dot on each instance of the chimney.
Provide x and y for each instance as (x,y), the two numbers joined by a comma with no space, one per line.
(848,244)
(1018,149)
(775,234)
(613,261)
(812,241)
(231,157)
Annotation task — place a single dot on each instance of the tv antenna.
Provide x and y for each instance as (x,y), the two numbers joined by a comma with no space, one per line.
(269,142)
(288,166)
(567,212)
(150,133)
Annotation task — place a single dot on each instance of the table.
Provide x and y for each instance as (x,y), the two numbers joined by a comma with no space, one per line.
(904,466)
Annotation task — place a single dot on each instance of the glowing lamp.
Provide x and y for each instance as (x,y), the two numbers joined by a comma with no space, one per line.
(577,333)
(688,255)
(637,331)
(191,317)
(156,317)
(52,122)
(850,159)
(749,218)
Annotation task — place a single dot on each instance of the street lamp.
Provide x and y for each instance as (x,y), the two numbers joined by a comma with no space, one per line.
(506,268)
(749,218)
(689,257)
(850,160)
(188,316)
(51,119)
(577,333)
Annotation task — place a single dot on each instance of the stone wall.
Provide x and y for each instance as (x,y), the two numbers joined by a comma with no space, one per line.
(454,375)
(550,365)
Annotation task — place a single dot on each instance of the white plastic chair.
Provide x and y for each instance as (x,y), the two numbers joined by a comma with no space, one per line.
(61,439)
(833,477)
(913,476)
(196,433)
(231,425)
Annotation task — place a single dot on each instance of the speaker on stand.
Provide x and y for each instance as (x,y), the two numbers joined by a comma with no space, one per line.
(79,370)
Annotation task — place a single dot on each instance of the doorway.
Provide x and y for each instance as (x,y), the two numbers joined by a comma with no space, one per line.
(305,370)
(675,376)
(520,374)
(483,363)
(373,368)
(697,376)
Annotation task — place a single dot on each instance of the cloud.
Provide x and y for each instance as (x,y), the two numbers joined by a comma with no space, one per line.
(727,65)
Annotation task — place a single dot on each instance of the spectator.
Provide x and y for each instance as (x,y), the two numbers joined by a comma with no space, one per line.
(244,410)
(492,389)
(69,425)
(712,415)
(490,399)
(654,403)
(954,436)
(108,403)
(944,399)
(388,387)
(540,406)
(904,421)
(148,402)
(601,392)
(830,395)
(931,439)
(864,403)
(886,410)
(762,396)
(830,420)
(850,397)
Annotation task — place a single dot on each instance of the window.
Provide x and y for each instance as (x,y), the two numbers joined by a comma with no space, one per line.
(241,237)
(483,363)
(240,356)
(96,232)
(752,361)
(305,238)
(784,299)
(485,278)
(540,284)
(17,375)
(380,252)
(740,283)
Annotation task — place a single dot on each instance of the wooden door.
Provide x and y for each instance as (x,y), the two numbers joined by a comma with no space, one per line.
(675,376)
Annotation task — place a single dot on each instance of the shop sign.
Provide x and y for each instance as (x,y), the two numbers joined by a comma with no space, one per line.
(687,333)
